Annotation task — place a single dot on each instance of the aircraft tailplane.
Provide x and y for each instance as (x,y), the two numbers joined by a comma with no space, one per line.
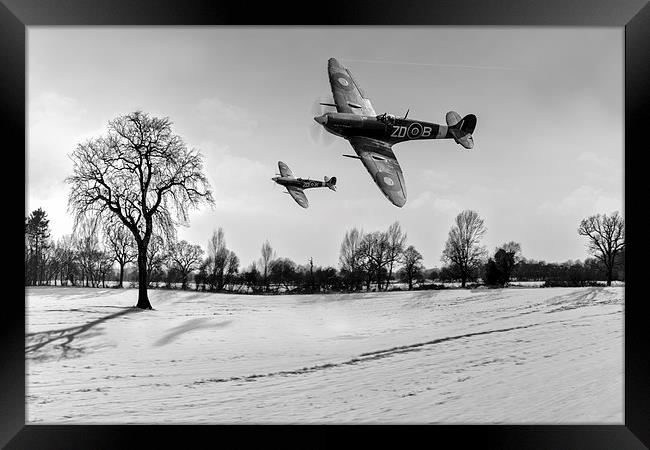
(461,129)
(330,183)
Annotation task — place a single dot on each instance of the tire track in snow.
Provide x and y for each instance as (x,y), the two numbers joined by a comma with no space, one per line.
(366,357)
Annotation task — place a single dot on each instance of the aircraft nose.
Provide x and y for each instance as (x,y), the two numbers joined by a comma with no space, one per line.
(321,119)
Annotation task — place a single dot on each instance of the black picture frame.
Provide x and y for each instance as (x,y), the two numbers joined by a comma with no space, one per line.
(633,15)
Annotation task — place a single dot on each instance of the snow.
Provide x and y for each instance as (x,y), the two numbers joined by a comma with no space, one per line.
(524,355)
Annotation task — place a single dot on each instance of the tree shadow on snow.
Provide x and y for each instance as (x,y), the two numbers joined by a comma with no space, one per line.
(63,338)
(190,325)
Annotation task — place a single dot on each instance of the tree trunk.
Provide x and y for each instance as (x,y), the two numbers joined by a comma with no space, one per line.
(121,275)
(609,275)
(37,271)
(266,285)
(390,275)
(463,279)
(143,298)
(220,280)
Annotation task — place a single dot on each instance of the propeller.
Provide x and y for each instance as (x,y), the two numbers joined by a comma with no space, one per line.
(317,132)
(276,185)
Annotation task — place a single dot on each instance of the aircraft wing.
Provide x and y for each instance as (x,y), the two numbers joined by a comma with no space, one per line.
(380,161)
(284,170)
(298,195)
(348,96)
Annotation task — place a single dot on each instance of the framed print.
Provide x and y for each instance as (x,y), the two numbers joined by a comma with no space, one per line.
(459,264)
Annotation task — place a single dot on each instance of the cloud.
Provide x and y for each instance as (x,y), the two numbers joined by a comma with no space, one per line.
(602,162)
(53,132)
(435,203)
(51,106)
(601,169)
(584,199)
(239,184)
(436,179)
(223,118)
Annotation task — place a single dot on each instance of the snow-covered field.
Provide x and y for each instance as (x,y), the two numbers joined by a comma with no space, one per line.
(520,355)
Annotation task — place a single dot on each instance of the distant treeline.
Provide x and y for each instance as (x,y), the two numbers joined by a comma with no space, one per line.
(569,273)
(103,256)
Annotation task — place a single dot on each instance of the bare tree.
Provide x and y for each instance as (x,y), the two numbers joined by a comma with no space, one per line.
(64,255)
(142,173)
(49,266)
(606,236)
(105,261)
(349,257)
(373,250)
(217,259)
(251,277)
(462,248)
(68,259)
(156,258)
(268,255)
(186,257)
(120,243)
(412,264)
(396,239)
(231,267)
(88,253)
(283,271)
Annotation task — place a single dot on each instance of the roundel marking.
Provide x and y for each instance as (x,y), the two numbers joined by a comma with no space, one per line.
(414,130)
(343,81)
(388,181)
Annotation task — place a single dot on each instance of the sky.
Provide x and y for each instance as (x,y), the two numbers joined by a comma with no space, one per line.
(549,142)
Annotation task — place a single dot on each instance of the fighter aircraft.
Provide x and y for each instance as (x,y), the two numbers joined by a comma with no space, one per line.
(295,186)
(372,136)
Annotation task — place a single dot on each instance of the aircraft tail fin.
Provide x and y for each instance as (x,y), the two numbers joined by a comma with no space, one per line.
(461,129)
(330,183)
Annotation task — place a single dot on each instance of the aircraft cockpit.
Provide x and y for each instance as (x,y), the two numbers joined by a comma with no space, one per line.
(386,118)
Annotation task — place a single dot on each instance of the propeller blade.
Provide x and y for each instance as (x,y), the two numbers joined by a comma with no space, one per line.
(320,135)
(316,109)
(328,138)
(317,133)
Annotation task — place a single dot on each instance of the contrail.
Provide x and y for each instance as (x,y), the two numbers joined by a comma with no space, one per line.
(434,65)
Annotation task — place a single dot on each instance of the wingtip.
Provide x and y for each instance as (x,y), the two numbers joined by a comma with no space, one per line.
(397,198)
(333,63)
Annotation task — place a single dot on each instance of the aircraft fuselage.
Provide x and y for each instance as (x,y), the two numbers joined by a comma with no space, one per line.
(299,182)
(388,129)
